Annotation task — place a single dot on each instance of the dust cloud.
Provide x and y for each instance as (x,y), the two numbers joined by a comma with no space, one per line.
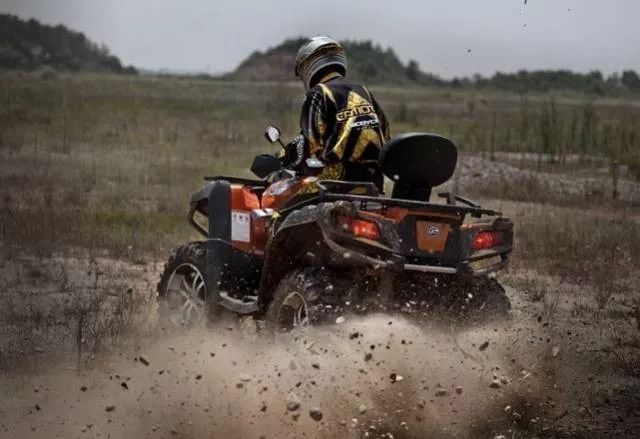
(378,377)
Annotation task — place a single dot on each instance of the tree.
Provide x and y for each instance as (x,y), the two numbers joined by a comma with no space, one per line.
(30,45)
(631,80)
(413,70)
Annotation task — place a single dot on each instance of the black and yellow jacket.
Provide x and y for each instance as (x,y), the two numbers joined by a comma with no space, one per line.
(342,125)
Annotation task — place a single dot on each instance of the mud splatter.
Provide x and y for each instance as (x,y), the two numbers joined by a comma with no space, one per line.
(396,378)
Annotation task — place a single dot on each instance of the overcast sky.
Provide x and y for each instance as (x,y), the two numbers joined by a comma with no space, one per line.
(214,36)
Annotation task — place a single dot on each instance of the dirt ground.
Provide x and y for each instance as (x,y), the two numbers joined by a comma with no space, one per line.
(555,368)
(82,355)
(95,174)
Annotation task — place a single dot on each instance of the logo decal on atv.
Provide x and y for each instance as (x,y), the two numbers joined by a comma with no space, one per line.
(434,231)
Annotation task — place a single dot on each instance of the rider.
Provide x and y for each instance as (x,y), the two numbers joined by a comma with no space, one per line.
(341,123)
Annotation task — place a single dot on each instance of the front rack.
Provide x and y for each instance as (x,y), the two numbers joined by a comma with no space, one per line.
(239,180)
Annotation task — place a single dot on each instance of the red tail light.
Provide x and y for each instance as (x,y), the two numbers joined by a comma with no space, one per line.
(359,227)
(484,240)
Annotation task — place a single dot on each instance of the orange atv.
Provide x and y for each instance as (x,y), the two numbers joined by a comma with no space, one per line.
(295,250)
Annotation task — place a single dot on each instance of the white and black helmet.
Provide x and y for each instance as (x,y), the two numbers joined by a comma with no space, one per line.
(316,55)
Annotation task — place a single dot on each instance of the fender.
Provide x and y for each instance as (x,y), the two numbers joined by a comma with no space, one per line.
(298,241)
(218,241)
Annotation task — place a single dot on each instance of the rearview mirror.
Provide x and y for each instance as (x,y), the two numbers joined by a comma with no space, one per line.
(272,134)
(265,165)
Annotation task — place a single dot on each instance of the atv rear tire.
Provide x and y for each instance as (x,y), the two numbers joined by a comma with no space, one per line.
(182,287)
(455,297)
(489,298)
(296,302)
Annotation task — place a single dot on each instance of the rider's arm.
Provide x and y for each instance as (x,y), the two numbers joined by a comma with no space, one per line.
(313,124)
(310,141)
(384,123)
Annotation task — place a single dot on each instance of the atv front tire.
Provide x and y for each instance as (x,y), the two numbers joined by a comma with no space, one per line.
(182,287)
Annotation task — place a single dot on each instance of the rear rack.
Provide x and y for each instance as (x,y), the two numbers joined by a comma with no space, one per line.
(471,208)
(328,192)
(325,195)
(392,202)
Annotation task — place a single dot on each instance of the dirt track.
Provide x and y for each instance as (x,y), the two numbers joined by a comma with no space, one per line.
(369,378)
(556,374)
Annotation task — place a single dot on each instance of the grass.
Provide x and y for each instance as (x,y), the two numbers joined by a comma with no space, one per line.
(108,162)
(591,250)
(94,166)
(60,305)
(570,242)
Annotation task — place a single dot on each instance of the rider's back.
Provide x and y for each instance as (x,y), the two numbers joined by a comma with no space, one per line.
(346,128)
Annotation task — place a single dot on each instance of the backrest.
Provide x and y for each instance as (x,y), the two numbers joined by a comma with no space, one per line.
(417,162)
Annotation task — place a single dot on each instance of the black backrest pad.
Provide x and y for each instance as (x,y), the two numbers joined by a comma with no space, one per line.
(419,158)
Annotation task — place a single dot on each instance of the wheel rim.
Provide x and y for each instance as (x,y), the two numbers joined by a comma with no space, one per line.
(185,295)
(293,313)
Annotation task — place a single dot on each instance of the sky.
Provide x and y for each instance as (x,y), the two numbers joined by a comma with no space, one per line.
(447,37)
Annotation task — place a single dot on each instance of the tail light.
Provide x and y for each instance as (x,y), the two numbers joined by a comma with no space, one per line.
(485,239)
(359,227)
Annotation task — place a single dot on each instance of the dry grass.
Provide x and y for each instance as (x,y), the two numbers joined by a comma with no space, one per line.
(62,305)
(94,164)
(598,252)
(109,161)
(583,263)
(576,244)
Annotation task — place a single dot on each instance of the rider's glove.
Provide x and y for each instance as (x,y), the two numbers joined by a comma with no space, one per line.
(296,152)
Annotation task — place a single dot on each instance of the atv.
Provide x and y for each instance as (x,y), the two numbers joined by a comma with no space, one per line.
(293,250)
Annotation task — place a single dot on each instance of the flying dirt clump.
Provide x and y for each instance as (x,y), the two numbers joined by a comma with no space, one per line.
(410,387)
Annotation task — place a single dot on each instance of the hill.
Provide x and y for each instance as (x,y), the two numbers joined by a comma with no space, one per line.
(371,63)
(367,62)
(30,45)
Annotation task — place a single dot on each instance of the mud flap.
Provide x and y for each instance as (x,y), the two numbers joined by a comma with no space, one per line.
(218,243)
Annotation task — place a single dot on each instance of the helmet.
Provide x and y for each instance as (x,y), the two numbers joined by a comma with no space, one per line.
(317,54)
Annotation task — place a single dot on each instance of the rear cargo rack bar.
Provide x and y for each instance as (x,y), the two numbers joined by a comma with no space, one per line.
(473,211)
(452,198)
(396,202)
